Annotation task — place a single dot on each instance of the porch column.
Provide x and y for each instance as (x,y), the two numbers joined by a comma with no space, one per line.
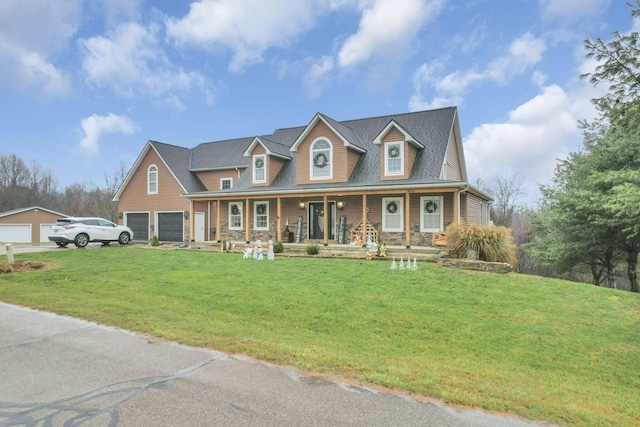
(407,220)
(192,221)
(247,226)
(278,220)
(218,229)
(325,220)
(364,220)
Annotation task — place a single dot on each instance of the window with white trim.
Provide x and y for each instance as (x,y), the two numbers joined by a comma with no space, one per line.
(394,156)
(235,216)
(259,169)
(392,214)
(152,180)
(226,183)
(431,218)
(261,215)
(321,157)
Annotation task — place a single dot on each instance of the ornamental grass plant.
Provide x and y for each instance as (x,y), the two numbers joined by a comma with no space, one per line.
(492,244)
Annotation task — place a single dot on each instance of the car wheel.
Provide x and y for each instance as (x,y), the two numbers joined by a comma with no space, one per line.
(124,238)
(81,240)
(62,244)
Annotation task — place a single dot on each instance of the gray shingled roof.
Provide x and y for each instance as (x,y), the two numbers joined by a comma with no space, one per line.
(178,160)
(430,128)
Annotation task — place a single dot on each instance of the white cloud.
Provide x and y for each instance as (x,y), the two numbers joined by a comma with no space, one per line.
(571,10)
(95,126)
(523,53)
(317,76)
(31,33)
(536,134)
(386,28)
(130,61)
(247,28)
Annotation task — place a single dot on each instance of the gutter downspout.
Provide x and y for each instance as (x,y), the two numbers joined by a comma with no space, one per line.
(459,206)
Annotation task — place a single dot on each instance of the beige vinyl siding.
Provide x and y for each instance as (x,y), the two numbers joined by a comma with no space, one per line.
(452,170)
(340,159)
(134,198)
(274,166)
(352,160)
(211,179)
(474,209)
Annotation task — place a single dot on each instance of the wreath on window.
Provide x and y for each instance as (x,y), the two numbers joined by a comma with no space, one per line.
(259,162)
(320,160)
(261,209)
(431,207)
(320,211)
(392,207)
(235,210)
(394,151)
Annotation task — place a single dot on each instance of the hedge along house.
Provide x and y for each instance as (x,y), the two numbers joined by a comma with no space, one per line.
(400,179)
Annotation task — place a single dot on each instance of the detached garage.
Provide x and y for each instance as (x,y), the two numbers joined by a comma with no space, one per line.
(27,225)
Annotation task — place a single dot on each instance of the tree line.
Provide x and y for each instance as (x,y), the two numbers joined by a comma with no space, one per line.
(24,185)
(587,226)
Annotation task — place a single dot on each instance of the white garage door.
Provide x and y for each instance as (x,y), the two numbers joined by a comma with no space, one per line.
(15,233)
(45,230)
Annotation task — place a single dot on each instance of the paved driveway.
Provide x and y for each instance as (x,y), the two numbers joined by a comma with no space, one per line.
(60,371)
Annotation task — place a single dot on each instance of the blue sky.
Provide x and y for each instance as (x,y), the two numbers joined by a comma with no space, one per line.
(85,83)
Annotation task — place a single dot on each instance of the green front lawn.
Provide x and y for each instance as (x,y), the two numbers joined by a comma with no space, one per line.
(543,349)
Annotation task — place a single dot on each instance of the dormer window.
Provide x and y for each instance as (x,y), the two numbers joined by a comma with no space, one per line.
(394,158)
(321,156)
(152,180)
(259,169)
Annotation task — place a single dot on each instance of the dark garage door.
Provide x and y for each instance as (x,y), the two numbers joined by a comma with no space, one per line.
(170,227)
(139,224)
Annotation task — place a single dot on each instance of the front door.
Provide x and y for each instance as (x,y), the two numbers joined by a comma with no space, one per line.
(199,226)
(316,220)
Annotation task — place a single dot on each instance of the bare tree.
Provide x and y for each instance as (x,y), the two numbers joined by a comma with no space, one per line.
(505,193)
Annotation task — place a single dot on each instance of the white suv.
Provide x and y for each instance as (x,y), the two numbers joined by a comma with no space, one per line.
(81,231)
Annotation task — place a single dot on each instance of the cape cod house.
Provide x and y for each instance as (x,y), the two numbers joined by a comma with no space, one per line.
(400,179)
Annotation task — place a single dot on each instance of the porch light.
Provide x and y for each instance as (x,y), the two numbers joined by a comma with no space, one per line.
(340,204)
(303,205)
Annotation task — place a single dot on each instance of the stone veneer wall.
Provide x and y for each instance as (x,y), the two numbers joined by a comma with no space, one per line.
(469,264)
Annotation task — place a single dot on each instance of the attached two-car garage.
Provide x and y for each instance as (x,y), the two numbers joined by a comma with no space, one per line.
(169,225)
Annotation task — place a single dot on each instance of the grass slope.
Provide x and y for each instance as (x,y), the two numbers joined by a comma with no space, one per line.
(544,349)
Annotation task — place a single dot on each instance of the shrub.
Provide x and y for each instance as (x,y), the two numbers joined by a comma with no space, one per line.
(493,244)
(155,241)
(278,247)
(313,249)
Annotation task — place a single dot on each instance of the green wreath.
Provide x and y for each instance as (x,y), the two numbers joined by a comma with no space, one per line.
(431,207)
(261,209)
(320,160)
(392,207)
(259,162)
(394,151)
(235,210)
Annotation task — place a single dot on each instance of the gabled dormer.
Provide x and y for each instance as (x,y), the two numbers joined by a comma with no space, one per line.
(398,151)
(327,151)
(266,159)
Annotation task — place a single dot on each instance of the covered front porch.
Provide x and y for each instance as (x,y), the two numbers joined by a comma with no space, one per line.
(399,218)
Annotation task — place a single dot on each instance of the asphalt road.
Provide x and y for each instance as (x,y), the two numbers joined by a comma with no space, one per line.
(61,371)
